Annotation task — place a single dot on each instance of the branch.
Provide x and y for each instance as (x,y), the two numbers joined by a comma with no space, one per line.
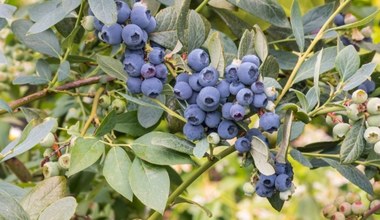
(371,212)
(71,85)
(93,111)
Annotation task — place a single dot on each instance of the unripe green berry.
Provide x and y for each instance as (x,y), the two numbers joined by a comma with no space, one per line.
(341,129)
(372,135)
(64,161)
(248,189)
(18,55)
(332,121)
(345,208)
(329,210)
(286,195)
(270,106)
(376,148)
(376,188)
(359,96)
(104,101)
(50,169)
(373,106)
(213,138)
(338,216)
(353,112)
(373,120)
(375,203)
(339,200)
(352,197)
(48,141)
(270,91)
(358,208)
(88,23)
(118,105)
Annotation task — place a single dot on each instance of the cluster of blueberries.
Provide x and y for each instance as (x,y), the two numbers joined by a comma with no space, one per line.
(132,28)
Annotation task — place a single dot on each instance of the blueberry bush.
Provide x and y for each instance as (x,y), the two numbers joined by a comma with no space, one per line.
(104,103)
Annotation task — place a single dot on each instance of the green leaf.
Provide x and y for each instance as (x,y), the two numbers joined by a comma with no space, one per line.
(362,22)
(247,44)
(165,33)
(347,62)
(237,25)
(84,153)
(112,67)
(276,202)
(10,208)
(351,173)
(216,51)
(317,69)
(37,11)
(150,184)
(5,106)
(307,69)
(45,42)
(128,123)
(297,155)
(261,44)
(360,76)
(285,59)
(63,71)
(260,154)
(201,148)
(192,29)
(116,169)
(268,10)
(104,10)
(6,11)
(54,16)
(312,98)
(44,194)
(301,98)
(60,209)
(316,17)
(148,116)
(32,80)
(353,144)
(318,146)
(34,137)
(269,82)
(43,69)
(139,101)
(182,21)
(13,191)
(270,67)
(107,124)
(297,26)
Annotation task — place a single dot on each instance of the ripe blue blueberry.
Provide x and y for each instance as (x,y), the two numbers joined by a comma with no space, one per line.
(251,59)
(161,71)
(267,181)
(242,145)
(339,20)
(208,76)
(194,82)
(151,26)
(230,73)
(227,129)
(194,115)
(213,119)
(98,25)
(209,96)
(193,132)
(244,97)
(123,11)
(269,122)
(345,41)
(134,85)
(254,132)
(132,35)
(156,56)
(193,98)
(226,110)
(237,112)
(182,77)
(182,90)
(139,52)
(284,168)
(368,86)
(140,15)
(151,87)
(264,191)
(111,34)
(248,73)
(235,87)
(224,88)
(198,59)
(258,87)
(259,100)
(148,70)
(132,64)
(283,182)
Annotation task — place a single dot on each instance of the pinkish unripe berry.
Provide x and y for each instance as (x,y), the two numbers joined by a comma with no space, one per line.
(329,210)
(345,208)
(358,208)
(352,197)
(338,216)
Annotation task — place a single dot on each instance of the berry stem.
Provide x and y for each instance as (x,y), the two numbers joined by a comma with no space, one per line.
(194,176)
(199,8)
(302,58)
(371,212)
(93,111)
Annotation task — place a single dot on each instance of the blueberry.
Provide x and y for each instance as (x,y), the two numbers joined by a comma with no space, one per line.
(134,85)
(368,86)
(267,181)
(251,59)
(151,87)
(193,98)
(194,115)
(254,132)
(148,70)
(345,41)
(132,64)
(98,25)
(182,77)
(209,96)
(132,35)
(242,145)
(248,73)
(205,107)
(269,122)
(151,26)
(230,73)
(368,39)
(226,110)
(264,191)
(237,112)
(283,182)
(224,88)
(227,129)
(244,97)
(194,82)
(208,76)
(339,20)
(259,100)
(111,34)
(258,87)
(156,56)
(182,90)
(193,132)
(284,168)
(373,106)
(235,87)
(123,11)
(139,52)
(140,16)
(161,71)
(198,59)
(213,119)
